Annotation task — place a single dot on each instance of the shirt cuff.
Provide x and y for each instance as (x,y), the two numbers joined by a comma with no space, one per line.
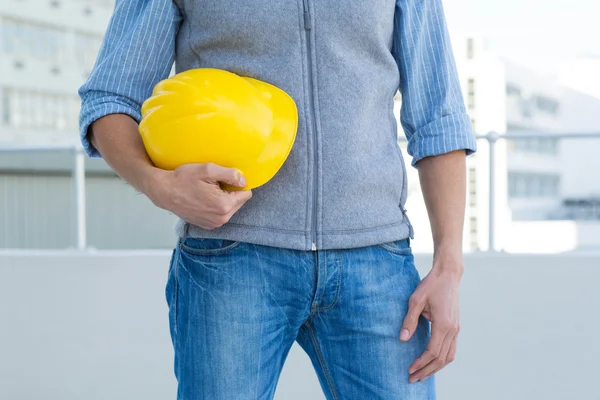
(450,133)
(93,110)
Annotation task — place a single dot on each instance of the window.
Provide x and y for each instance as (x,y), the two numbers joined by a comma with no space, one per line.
(547,105)
(537,145)
(473,225)
(86,49)
(532,185)
(28,109)
(471,94)
(470,48)
(512,185)
(24,39)
(472,187)
(473,242)
(6,120)
(513,90)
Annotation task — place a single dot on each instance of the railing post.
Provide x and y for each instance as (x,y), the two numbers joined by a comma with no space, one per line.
(492,137)
(79,190)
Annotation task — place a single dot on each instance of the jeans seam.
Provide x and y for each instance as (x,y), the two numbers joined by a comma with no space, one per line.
(396,250)
(313,339)
(176,295)
(337,289)
(402,252)
(208,252)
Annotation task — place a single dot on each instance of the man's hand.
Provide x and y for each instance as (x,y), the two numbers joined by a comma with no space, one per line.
(443,180)
(436,298)
(192,192)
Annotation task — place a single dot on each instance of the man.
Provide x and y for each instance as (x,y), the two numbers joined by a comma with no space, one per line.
(320,254)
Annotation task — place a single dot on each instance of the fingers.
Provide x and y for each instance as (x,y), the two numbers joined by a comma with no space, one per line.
(450,356)
(433,349)
(238,199)
(225,205)
(215,173)
(409,326)
(452,352)
(196,196)
(436,365)
(436,356)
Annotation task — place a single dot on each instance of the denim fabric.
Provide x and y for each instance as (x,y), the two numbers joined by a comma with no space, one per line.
(236,308)
(344,182)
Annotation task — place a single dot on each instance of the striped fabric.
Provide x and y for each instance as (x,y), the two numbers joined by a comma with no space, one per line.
(139,50)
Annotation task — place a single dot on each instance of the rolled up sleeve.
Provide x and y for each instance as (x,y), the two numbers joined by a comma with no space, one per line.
(433,113)
(137,52)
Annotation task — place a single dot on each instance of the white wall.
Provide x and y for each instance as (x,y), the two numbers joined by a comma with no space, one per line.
(94,327)
(552,237)
(488,114)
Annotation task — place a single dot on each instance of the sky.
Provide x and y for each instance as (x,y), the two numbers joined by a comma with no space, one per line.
(539,34)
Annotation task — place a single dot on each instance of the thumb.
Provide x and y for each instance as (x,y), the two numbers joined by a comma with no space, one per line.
(217,173)
(409,326)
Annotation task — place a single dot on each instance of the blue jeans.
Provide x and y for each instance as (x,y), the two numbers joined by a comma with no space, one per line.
(236,308)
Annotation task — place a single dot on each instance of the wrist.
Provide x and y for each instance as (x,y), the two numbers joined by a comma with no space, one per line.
(449,260)
(154,186)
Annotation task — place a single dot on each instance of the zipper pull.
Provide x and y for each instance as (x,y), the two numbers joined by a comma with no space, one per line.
(314,247)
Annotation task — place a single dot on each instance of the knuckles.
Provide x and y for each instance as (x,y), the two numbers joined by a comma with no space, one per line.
(208,169)
(220,220)
(222,209)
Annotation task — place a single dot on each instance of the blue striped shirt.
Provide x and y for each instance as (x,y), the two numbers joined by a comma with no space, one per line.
(139,50)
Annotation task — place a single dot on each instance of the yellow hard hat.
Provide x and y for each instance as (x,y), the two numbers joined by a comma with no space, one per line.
(211,115)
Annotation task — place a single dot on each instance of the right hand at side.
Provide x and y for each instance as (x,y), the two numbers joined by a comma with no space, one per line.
(192,192)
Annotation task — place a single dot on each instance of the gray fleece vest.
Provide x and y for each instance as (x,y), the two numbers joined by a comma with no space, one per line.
(344,182)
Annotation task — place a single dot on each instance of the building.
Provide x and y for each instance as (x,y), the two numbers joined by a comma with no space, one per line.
(482,77)
(547,195)
(47,49)
(545,171)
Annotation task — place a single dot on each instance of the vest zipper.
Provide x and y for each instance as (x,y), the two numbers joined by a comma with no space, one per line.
(307,28)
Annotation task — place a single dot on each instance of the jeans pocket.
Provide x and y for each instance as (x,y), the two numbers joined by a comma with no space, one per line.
(401,247)
(207,247)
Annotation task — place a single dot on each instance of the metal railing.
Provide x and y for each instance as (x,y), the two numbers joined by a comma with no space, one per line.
(492,138)
(78,175)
